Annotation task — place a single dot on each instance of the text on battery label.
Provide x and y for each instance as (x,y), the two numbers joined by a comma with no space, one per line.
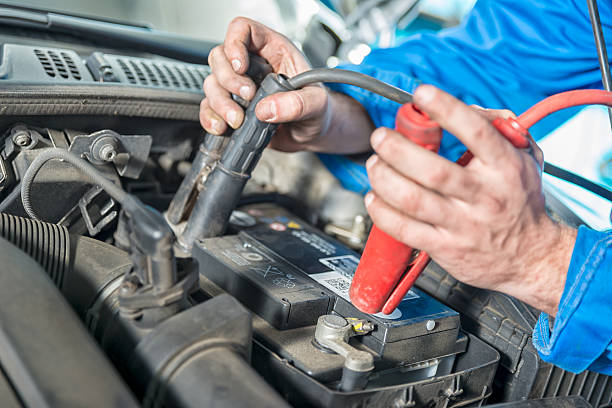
(314,241)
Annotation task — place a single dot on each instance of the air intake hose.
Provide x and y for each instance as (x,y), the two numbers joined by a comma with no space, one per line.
(80,267)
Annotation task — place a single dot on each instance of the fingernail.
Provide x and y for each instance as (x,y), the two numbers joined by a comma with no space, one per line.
(368,199)
(377,138)
(245,92)
(267,111)
(424,93)
(232,118)
(216,126)
(371,161)
(236,64)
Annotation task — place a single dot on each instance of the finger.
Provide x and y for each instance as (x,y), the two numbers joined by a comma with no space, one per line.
(475,131)
(423,166)
(211,122)
(244,35)
(403,228)
(237,84)
(493,114)
(221,102)
(407,196)
(237,42)
(284,107)
(283,141)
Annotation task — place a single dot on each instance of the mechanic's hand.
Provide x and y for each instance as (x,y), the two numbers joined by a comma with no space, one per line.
(307,108)
(485,223)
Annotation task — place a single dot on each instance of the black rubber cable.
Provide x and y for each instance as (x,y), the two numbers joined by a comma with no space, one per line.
(343,76)
(580,181)
(116,192)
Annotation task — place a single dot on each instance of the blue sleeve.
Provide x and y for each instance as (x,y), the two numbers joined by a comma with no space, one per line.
(581,337)
(506,54)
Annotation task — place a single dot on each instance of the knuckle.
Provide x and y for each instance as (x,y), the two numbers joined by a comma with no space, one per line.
(208,85)
(404,231)
(410,201)
(437,176)
(239,21)
(481,131)
(296,104)
(213,55)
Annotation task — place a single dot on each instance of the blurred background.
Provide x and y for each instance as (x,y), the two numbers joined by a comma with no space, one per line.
(358,24)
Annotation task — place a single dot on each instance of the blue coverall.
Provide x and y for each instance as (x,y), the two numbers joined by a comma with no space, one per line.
(511,54)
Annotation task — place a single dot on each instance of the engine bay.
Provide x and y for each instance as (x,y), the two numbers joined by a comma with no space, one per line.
(258,315)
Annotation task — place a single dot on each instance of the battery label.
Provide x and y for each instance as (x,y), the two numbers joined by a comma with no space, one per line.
(345,265)
(339,280)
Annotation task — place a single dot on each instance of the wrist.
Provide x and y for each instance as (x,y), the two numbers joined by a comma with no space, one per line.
(544,270)
(345,128)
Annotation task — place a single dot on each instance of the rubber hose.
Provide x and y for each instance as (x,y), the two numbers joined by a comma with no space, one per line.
(87,169)
(48,244)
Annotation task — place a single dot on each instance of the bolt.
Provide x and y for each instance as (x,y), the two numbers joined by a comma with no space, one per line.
(334,321)
(430,325)
(107,152)
(22,138)
(127,288)
(367,326)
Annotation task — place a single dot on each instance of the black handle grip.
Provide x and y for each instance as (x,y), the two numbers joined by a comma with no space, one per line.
(248,141)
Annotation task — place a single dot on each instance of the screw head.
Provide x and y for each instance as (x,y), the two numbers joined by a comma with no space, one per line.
(22,138)
(107,152)
(430,325)
(334,321)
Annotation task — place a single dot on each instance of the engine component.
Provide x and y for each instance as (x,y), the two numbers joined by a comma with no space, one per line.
(206,157)
(198,356)
(77,205)
(151,291)
(289,274)
(333,332)
(127,153)
(50,360)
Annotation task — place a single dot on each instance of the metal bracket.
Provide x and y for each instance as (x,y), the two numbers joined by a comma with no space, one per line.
(135,299)
(105,211)
(128,153)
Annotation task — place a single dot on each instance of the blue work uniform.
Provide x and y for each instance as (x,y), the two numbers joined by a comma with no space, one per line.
(511,54)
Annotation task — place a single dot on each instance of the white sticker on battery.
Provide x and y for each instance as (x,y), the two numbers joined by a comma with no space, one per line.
(335,282)
(339,284)
(345,264)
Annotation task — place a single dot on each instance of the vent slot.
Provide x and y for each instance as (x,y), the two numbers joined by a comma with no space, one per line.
(127,71)
(160,74)
(45,62)
(139,73)
(173,78)
(71,66)
(58,64)
(150,74)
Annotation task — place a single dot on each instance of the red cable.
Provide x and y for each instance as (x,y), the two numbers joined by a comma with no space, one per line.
(564,100)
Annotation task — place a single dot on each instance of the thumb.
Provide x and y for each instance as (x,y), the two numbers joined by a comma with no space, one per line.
(292,106)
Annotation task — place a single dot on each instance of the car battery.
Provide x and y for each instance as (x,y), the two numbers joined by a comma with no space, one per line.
(288,273)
